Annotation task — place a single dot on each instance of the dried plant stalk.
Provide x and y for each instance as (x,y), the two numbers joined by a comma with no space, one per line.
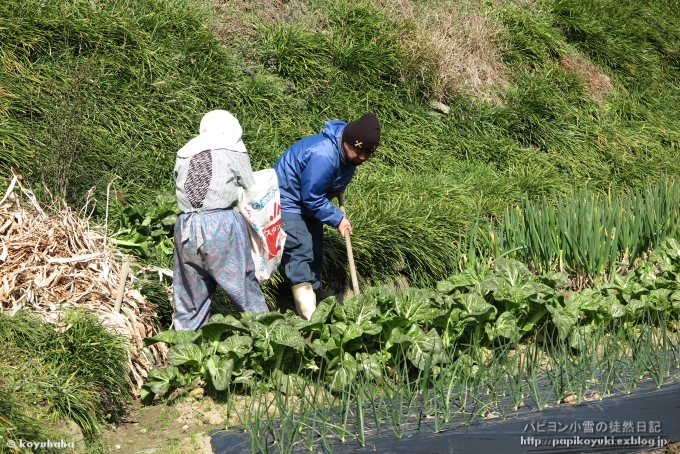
(50,263)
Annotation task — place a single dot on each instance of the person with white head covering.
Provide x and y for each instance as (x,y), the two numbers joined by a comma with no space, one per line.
(212,245)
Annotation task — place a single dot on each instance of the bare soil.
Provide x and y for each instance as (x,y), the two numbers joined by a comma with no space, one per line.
(182,427)
(673,448)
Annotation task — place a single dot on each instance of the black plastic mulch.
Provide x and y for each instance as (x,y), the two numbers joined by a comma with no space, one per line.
(644,420)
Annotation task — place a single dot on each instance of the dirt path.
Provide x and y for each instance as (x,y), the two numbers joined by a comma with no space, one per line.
(168,429)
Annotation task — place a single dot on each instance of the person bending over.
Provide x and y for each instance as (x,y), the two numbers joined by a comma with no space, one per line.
(212,246)
(311,172)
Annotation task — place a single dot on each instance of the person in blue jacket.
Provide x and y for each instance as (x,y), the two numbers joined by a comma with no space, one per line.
(310,173)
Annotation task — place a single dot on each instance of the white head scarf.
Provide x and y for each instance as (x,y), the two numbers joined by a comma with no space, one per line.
(219,129)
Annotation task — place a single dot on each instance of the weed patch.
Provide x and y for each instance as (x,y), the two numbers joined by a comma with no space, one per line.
(73,372)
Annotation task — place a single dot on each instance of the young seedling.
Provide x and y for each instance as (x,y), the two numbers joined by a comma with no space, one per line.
(359,402)
(535,374)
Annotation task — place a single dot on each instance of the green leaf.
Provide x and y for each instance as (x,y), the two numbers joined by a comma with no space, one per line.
(627,286)
(172,337)
(538,289)
(239,345)
(470,279)
(586,300)
(475,304)
(323,310)
(220,372)
(341,372)
(520,296)
(563,320)
(416,305)
(318,347)
(212,330)
(613,307)
(581,336)
(658,298)
(348,332)
(635,305)
(453,324)
(133,242)
(283,334)
(186,354)
(397,336)
(268,318)
(300,324)
(169,221)
(288,383)
(371,365)
(506,326)
(660,258)
(166,246)
(465,362)
(424,347)
(333,346)
(455,282)
(648,277)
(672,248)
(554,279)
(160,380)
(527,324)
(158,232)
(362,310)
(259,331)
(244,377)
(230,321)
(383,296)
(146,395)
(388,323)
(512,271)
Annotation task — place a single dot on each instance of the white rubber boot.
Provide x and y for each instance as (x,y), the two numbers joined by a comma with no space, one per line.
(305,299)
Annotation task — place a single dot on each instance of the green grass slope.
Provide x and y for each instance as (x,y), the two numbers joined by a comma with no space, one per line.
(543,96)
(49,376)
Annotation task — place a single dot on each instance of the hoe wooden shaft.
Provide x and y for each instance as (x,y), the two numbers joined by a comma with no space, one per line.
(124,272)
(350,255)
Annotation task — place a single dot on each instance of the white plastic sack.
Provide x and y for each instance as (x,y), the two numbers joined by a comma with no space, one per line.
(261,207)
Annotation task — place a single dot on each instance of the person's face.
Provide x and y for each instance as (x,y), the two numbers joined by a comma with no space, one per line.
(355,155)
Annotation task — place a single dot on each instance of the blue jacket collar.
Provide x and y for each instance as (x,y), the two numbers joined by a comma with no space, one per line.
(333,129)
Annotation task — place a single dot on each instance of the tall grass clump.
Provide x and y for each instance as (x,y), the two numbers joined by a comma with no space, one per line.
(75,372)
(15,422)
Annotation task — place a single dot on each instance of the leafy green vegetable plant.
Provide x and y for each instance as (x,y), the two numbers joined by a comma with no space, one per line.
(147,230)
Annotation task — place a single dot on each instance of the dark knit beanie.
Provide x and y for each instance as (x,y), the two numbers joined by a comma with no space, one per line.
(364,133)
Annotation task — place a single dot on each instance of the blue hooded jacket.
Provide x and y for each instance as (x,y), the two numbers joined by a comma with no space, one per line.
(312,171)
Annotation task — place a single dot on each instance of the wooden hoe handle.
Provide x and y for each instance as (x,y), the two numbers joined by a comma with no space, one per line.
(350,255)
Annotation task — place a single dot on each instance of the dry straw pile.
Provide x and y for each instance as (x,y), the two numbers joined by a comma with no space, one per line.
(50,263)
